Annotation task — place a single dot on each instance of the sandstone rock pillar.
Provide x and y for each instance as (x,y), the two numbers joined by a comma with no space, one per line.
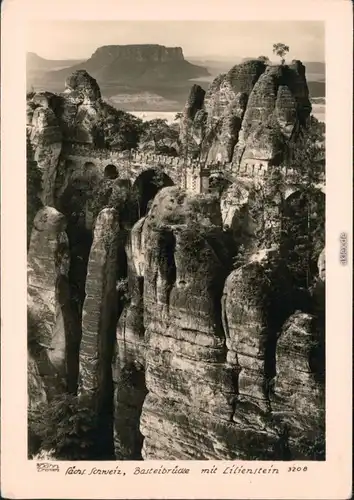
(46,140)
(99,309)
(48,298)
(298,403)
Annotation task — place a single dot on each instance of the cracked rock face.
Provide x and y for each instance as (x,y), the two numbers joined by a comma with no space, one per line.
(298,397)
(184,344)
(79,114)
(48,298)
(249,113)
(128,366)
(205,375)
(82,85)
(46,140)
(99,309)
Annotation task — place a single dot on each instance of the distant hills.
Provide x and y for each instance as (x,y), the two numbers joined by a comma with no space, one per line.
(38,66)
(36,63)
(159,72)
(136,66)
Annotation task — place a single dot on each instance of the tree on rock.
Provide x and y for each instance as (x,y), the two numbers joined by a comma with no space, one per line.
(159,137)
(279,49)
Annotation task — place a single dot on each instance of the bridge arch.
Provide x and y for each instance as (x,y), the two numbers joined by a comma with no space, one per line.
(219,182)
(146,186)
(110,171)
(90,172)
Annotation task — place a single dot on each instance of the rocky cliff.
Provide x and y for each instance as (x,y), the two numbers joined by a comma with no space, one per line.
(250,113)
(192,322)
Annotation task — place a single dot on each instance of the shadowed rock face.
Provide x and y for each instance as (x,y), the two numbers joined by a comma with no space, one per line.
(46,140)
(99,318)
(48,299)
(193,122)
(82,85)
(129,359)
(251,112)
(248,301)
(36,389)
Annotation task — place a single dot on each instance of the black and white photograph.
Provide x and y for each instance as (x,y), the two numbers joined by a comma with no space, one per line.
(176,209)
(176,234)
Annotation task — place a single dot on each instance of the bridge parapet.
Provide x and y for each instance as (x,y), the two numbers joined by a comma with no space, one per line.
(89,151)
(177,167)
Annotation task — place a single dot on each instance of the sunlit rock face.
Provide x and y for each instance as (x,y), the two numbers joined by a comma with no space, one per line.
(249,113)
(81,85)
(322,265)
(78,114)
(197,367)
(250,324)
(212,129)
(45,136)
(49,316)
(80,104)
(278,107)
(251,212)
(100,307)
(184,343)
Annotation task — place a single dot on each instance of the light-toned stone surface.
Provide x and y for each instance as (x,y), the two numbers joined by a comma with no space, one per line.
(99,310)
(298,399)
(46,139)
(48,297)
(246,114)
(185,348)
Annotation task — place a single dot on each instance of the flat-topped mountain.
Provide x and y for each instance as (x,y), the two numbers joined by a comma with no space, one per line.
(138,52)
(142,64)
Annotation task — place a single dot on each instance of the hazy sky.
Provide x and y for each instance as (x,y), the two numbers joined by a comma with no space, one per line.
(79,39)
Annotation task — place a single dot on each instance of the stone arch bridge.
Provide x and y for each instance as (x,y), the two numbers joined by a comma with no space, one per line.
(192,175)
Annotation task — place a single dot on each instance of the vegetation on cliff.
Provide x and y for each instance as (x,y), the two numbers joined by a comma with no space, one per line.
(196,308)
(34,188)
(66,427)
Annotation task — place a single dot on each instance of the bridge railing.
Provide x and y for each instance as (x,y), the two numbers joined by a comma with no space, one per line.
(251,168)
